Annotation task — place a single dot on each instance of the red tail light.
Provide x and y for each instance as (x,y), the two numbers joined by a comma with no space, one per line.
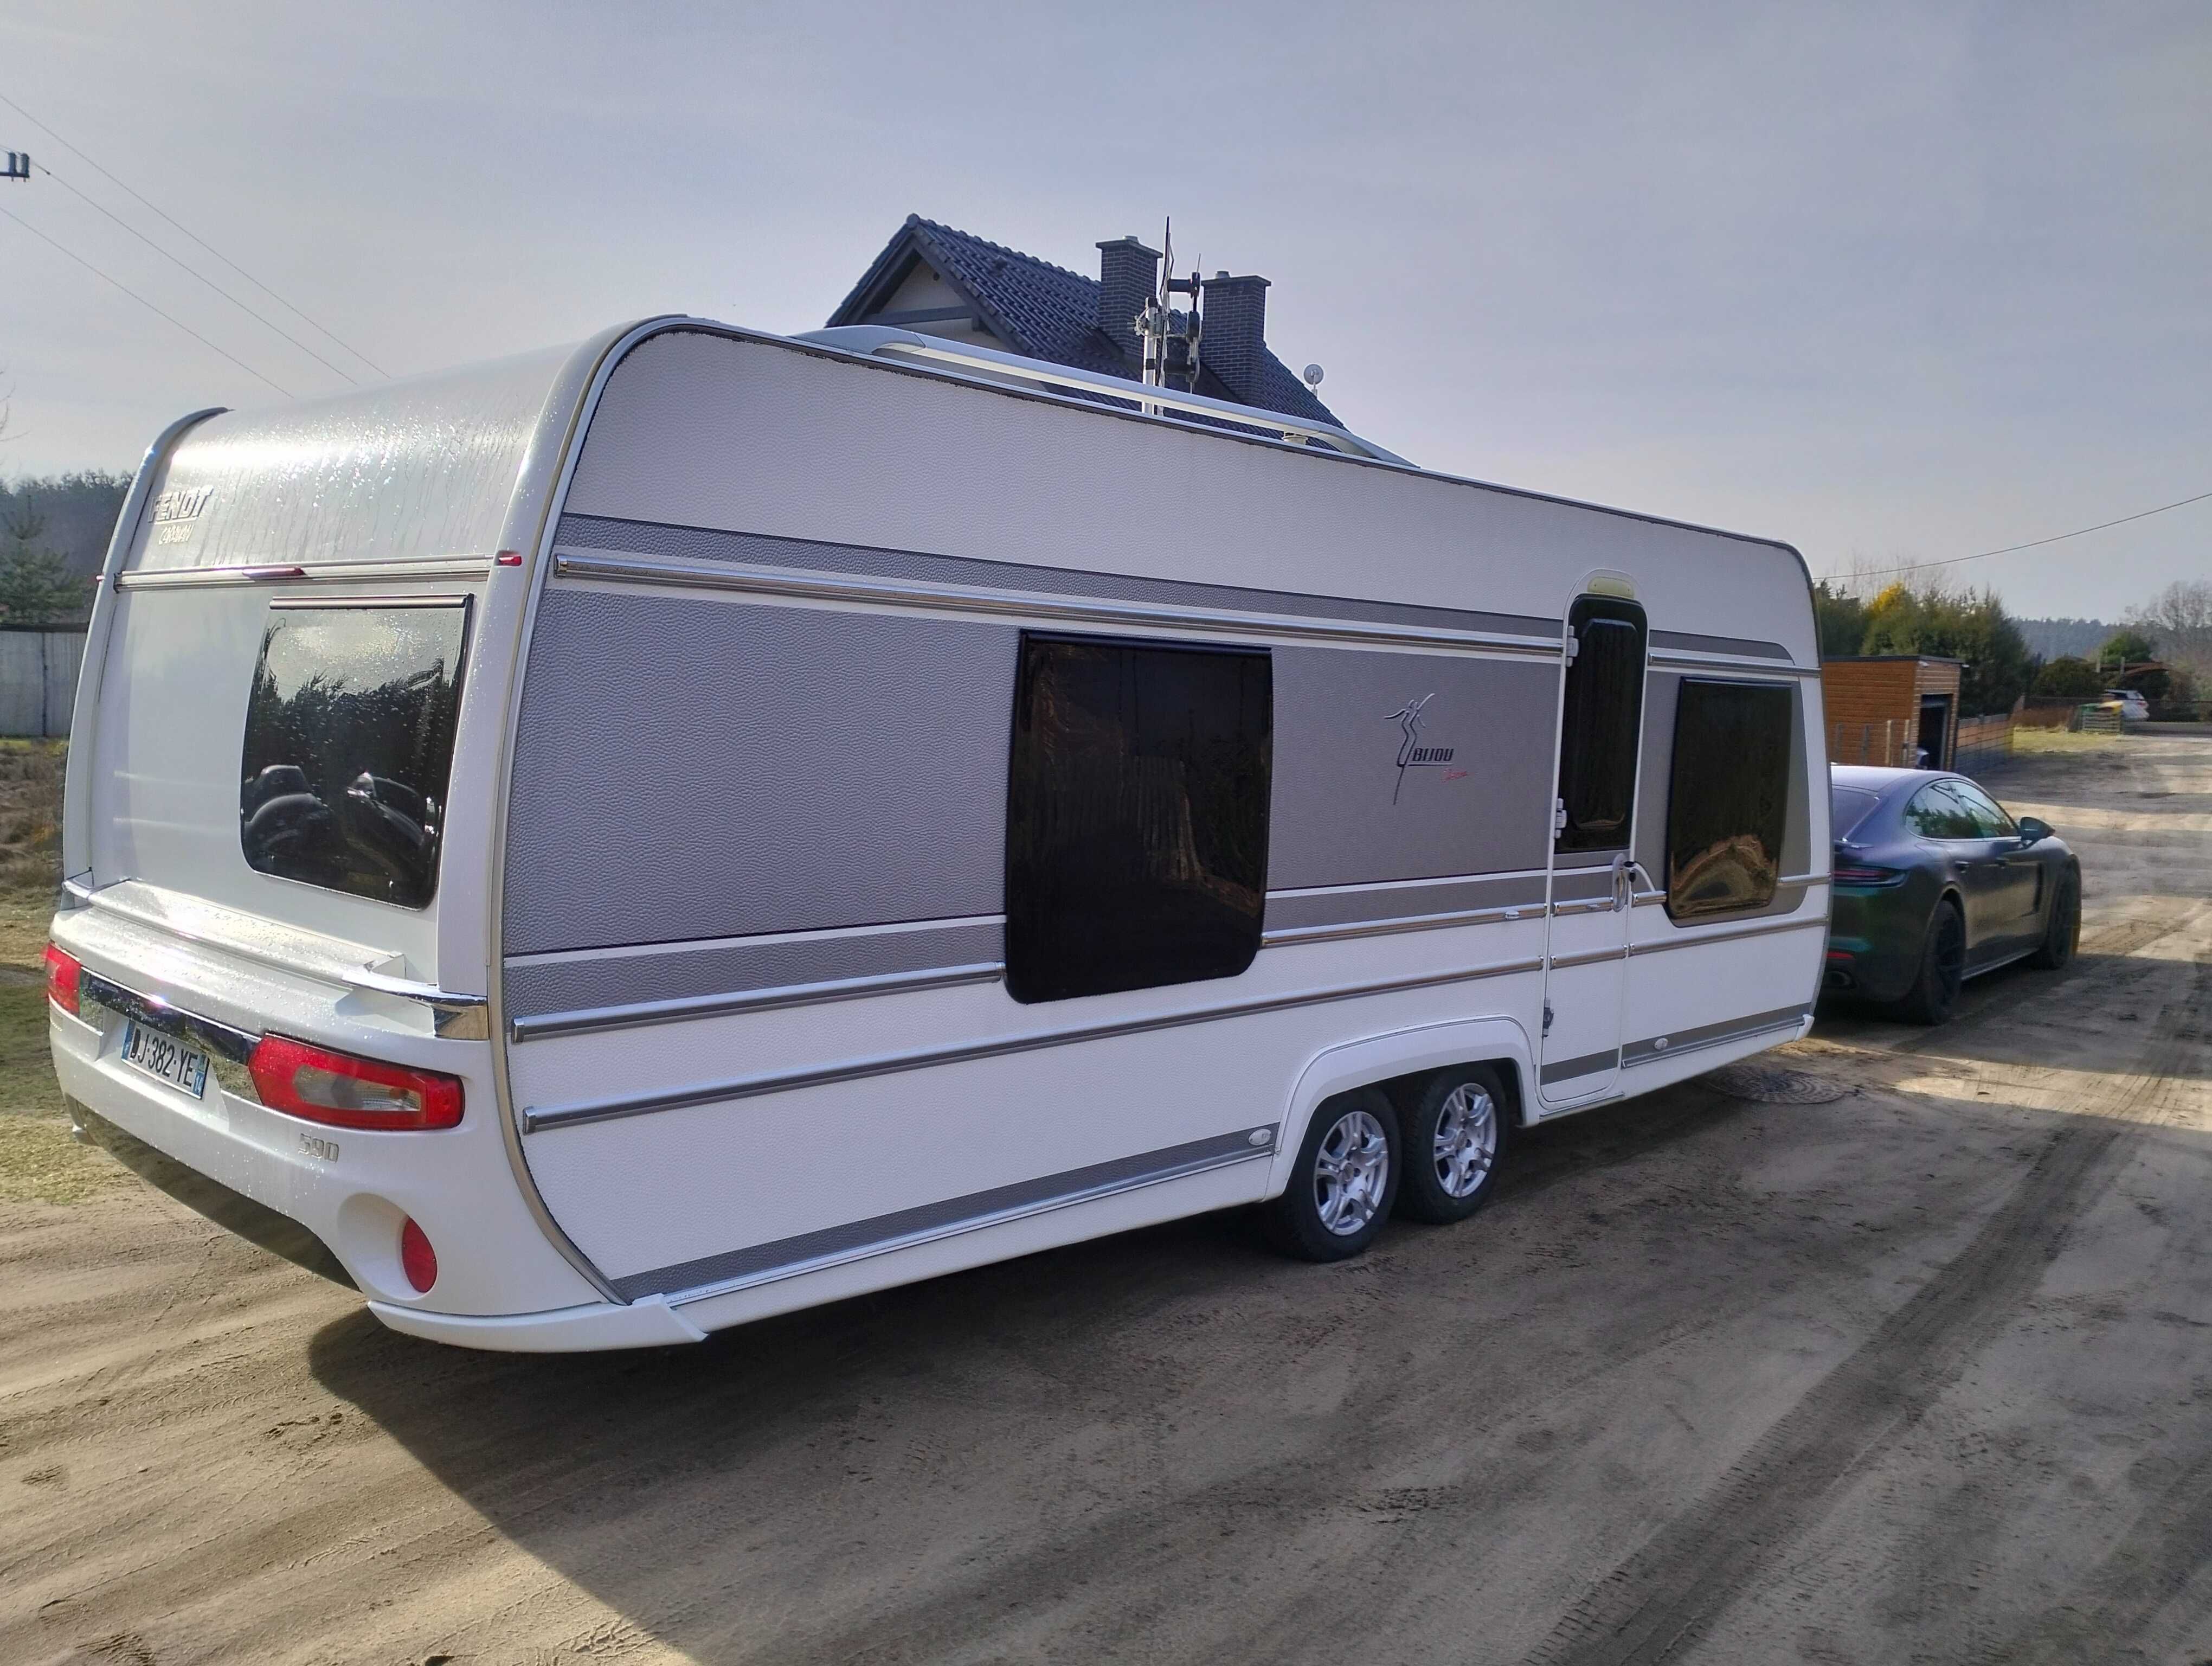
(348,1093)
(1855,874)
(416,1258)
(62,969)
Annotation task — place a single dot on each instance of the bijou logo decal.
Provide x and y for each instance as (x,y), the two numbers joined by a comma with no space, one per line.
(1411,755)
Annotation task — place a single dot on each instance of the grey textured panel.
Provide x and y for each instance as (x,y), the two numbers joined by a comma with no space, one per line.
(705,543)
(1409,902)
(880,1232)
(567,986)
(1691,643)
(688,768)
(1566,1070)
(1708,1035)
(1344,812)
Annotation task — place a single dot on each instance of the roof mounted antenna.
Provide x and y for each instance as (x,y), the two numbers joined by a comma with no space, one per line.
(1160,324)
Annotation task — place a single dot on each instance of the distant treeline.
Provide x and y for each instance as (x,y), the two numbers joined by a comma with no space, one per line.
(70,514)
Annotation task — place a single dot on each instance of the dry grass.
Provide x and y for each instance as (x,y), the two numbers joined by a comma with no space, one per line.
(2061,740)
(39,1161)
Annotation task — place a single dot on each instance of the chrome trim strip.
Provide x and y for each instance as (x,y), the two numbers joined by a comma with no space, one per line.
(221,1039)
(885,592)
(1592,958)
(1291,936)
(882,1235)
(1713,1035)
(535,1120)
(1768,668)
(335,572)
(1588,1064)
(1730,935)
(456,1017)
(1592,905)
(638,1013)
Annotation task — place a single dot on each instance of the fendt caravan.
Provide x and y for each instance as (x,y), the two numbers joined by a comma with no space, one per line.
(605,846)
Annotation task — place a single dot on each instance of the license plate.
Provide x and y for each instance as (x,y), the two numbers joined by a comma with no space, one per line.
(165,1058)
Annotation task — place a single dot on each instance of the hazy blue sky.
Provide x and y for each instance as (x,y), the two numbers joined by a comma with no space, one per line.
(1891,283)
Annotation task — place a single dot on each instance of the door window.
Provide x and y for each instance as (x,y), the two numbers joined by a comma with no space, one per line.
(1137,815)
(1934,814)
(1989,818)
(1602,723)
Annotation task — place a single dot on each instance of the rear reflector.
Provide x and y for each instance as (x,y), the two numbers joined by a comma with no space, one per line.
(416,1258)
(349,1092)
(61,970)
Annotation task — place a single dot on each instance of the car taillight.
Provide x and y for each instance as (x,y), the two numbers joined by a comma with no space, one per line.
(347,1092)
(1854,874)
(62,969)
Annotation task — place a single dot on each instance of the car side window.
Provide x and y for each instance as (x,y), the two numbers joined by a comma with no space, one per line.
(1990,821)
(1934,814)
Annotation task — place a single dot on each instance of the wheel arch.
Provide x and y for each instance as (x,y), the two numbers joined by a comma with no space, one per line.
(1382,1061)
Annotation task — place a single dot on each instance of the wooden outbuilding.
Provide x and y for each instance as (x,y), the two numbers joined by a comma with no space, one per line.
(1899,710)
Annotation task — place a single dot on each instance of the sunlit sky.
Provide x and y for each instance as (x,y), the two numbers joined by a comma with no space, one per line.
(1894,283)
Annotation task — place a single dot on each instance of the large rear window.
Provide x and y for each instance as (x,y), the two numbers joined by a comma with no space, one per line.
(349,743)
(1847,807)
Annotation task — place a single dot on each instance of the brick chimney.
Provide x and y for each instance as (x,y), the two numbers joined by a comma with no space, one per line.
(1128,275)
(1236,312)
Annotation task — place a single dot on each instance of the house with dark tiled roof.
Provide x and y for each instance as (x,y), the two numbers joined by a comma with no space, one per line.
(938,282)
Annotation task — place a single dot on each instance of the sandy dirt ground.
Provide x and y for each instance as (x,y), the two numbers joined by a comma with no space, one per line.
(1924,1373)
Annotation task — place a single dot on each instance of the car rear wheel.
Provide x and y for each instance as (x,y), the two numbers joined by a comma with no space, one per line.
(1344,1182)
(1935,990)
(2063,935)
(1454,1132)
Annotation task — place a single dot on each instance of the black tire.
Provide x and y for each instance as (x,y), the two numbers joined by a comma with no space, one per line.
(1298,1223)
(2062,935)
(1453,1131)
(1935,990)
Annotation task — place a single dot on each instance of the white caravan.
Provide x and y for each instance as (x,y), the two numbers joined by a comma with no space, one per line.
(598,848)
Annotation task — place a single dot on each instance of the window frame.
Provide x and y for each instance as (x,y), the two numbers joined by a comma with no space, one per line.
(1974,799)
(1939,789)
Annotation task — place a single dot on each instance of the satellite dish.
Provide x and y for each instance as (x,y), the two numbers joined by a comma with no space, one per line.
(1312,375)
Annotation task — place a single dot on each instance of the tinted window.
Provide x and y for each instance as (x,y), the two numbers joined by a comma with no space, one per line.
(1728,804)
(349,741)
(1847,808)
(1989,820)
(1601,724)
(1137,815)
(1934,814)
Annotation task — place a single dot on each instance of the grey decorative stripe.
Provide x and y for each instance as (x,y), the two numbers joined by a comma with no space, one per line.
(1290,913)
(1675,665)
(669,973)
(1712,1035)
(1580,886)
(1690,642)
(538,1120)
(1588,1064)
(1122,616)
(810,554)
(589,1019)
(1412,923)
(808,1252)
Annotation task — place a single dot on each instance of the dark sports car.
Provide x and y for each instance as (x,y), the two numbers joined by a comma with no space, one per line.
(1935,884)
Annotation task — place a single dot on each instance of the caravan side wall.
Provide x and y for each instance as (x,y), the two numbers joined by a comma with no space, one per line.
(753,912)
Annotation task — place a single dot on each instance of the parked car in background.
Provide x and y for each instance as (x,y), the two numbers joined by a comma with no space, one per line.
(1935,883)
(2133,709)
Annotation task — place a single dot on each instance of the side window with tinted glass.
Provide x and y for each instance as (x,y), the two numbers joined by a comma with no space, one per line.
(1136,814)
(1934,814)
(1989,818)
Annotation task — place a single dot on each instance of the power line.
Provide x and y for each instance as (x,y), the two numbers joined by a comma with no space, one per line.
(203,277)
(202,242)
(148,305)
(2032,543)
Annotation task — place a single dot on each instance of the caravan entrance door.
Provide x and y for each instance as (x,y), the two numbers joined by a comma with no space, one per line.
(1600,733)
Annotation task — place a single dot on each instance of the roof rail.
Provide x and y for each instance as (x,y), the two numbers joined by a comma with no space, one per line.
(871,340)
